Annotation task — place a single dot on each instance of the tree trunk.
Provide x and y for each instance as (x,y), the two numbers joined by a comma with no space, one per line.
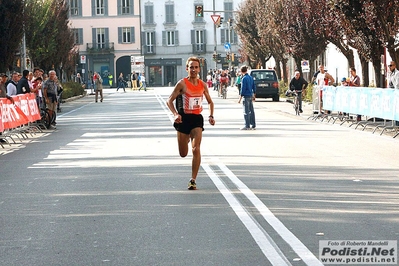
(365,70)
(278,69)
(285,72)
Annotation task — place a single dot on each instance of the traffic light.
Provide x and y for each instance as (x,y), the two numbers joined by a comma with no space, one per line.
(232,57)
(199,11)
(228,57)
(214,56)
(27,62)
(220,22)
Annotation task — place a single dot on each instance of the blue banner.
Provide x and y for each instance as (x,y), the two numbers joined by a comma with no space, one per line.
(372,102)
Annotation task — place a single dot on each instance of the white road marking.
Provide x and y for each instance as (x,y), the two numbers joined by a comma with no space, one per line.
(264,241)
(303,252)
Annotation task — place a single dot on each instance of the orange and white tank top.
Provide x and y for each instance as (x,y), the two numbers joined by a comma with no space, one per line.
(192,98)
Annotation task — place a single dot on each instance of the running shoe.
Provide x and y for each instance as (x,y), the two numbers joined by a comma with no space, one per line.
(192,185)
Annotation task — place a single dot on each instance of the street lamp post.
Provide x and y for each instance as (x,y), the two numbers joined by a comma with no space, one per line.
(214,36)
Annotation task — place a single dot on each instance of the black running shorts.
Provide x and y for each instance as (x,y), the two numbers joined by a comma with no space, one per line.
(190,121)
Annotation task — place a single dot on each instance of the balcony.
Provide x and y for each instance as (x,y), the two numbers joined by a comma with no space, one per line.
(100,48)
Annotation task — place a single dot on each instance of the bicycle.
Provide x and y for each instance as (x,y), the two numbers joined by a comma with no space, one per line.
(295,95)
(224,90)
(46,120)
(296,102)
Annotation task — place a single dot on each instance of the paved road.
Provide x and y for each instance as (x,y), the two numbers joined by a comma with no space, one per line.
(108,187)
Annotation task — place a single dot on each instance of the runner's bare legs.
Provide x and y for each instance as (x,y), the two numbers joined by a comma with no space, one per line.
(183,140)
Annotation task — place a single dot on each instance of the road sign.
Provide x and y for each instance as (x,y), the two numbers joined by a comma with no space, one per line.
(83,59)
(305,66)
(215,18)
(227,46)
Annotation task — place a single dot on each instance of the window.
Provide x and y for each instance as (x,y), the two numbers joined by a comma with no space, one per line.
(125,7)
(170,38)
(78,36)
(149,14)
(169,13)
(198,41)
(74,7)
(99,7)
(150,42)
(228,35)
(228,6)
(126,35)
(100,38)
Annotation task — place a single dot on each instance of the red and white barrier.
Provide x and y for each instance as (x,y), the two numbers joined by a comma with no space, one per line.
(23,111)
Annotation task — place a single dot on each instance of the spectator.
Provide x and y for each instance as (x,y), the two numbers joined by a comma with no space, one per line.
(3,90)
(393,80)
(354,81)
(143,84)
(3,94)
(209,79)
(60,89)
(12,85)
(50,93)
(323,79)
(37,85)
(121,83)
(79,79)
(99,87)
(238,82)
(110,79)
(233,77)
(248,92)
(393,76)
(30,80)
(23,84)
(134,80)
(37,89)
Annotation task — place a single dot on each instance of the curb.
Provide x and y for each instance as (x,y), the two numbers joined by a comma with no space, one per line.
(74,97)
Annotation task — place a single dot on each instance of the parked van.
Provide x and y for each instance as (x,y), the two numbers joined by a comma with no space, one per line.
(266,83)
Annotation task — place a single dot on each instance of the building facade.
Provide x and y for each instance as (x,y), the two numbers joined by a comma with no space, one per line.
(108,34)
(172,31)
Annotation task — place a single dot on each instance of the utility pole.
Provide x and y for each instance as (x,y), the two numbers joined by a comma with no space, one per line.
(23,55)
(214,36)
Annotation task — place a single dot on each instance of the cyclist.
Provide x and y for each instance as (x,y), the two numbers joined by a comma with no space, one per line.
(224,81)
(299,85)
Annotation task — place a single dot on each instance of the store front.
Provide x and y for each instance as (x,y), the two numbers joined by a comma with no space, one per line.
(162,72)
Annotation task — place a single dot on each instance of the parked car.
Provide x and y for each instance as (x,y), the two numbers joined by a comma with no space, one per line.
(266,83)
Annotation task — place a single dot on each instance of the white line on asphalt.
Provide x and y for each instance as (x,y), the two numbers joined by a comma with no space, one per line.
(299,248)
(72,111)
(164,106)
(264,241)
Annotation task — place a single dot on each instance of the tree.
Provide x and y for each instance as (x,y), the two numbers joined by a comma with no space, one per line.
(383,17)
(49,38)
(270,16)
(254,46)
(11,28)
(361,34)
(301,28)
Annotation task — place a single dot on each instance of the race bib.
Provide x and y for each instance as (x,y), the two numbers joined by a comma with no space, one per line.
(194,103)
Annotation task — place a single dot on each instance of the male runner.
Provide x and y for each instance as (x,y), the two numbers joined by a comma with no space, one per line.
(188,121)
